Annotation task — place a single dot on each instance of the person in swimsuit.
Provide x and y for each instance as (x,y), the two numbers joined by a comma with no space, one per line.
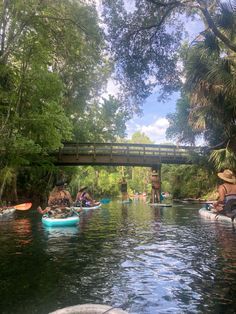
(84,199)
(59,199)
(226,191)
(155,182)
(124,189)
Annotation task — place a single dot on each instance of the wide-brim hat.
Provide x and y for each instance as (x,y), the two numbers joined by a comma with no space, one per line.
(60,183)
(227,175)
(83,188)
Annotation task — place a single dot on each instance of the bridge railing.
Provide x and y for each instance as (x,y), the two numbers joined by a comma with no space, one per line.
(128,149)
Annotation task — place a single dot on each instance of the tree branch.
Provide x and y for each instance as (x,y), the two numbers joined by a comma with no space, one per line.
(205,11)
(216,31)
(156,26)
(171,3)
(63,19)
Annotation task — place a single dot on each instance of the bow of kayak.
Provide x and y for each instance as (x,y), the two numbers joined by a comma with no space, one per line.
(60,222)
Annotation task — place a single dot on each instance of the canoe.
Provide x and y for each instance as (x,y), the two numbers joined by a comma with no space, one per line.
(210,215)
(60,222)
(160,204)
(7,212)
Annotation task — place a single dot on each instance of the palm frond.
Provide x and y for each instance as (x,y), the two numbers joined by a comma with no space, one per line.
(226,20)
(223,158)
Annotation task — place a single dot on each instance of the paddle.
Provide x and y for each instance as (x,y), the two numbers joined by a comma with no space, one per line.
(75,211)
(24,206)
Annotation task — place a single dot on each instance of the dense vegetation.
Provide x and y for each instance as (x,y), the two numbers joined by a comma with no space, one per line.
(55,60)
(53,70)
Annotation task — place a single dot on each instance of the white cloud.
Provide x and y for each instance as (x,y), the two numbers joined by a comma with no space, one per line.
(156,131)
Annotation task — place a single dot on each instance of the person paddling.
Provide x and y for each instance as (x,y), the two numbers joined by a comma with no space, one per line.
(84,199)
(227,193)
(155,182)
(124,190)
(59,198)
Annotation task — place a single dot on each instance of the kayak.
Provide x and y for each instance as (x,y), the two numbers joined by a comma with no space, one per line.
(7,212)
(87,207)
(60,222)
(213,216)
(105,201)
(160,204)
(126,201)
(89,308)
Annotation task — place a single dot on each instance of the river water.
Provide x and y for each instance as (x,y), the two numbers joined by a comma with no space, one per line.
(143,259)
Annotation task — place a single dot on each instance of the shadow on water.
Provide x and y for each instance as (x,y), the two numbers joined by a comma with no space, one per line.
(144,259)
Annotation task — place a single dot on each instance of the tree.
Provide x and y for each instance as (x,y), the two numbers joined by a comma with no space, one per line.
(179,126)
(101,121)
(145,41)
(140,138)
(51,65)
(210,86)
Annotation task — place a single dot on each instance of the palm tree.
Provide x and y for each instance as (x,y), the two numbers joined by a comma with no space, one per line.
(210,72)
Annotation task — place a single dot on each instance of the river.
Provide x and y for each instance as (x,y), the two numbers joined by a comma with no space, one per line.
(143,259)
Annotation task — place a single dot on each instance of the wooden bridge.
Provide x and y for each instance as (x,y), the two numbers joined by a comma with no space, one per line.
(120,154)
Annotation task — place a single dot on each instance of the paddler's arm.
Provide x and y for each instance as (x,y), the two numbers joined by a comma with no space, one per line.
(43,211)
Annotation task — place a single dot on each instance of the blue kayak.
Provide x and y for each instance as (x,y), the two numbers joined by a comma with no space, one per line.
(60,222)
(105,201)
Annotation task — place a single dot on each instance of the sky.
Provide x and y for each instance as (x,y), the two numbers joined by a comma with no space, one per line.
(153,122)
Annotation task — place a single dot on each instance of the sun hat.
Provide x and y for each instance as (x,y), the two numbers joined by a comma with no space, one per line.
(227,175)
(154,173)
(83,188)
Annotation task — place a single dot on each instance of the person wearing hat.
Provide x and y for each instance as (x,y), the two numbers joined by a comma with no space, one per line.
(155,182)
(58,198)
(124,190)
(226,191)
(84,199)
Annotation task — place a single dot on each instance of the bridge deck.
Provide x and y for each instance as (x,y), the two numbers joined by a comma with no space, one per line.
(124,154)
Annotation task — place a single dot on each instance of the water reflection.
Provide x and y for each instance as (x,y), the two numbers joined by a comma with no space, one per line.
(147,260)
(58,232)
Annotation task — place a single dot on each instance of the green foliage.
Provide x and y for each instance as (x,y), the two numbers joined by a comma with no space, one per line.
(140,138)
(223,159)
(187,181)
(101,181)
(51,66)
(209,70)
(145,40)
(179,127)
(143,47)
(100,122)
